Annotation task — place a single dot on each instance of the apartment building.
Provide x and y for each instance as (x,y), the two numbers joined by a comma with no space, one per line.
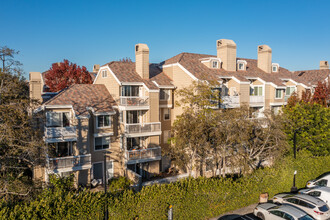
(128,110)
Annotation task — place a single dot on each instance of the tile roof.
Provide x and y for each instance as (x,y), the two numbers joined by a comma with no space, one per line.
(125,72)
(192,63)
(311,77)
(81,96)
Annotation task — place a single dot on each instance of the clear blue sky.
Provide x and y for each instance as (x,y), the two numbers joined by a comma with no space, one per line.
(97,32)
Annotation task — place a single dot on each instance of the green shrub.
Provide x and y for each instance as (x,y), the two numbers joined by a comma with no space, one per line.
(199,198)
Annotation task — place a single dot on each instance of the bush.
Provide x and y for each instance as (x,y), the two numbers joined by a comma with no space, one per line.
(191,198)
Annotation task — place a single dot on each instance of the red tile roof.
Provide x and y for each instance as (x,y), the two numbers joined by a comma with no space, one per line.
(81,96)
(192,63)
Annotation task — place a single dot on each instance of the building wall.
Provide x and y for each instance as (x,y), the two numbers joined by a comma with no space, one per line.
(110,83)
(244,91)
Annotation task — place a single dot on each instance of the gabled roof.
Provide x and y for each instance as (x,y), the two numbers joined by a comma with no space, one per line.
(192,62)
(311,77)
(82,96)
(125,72)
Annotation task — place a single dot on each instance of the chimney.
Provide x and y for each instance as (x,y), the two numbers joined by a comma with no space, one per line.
(35,85)
(324,65)
(142,60)
(226,51)
(96,68)
(265,58)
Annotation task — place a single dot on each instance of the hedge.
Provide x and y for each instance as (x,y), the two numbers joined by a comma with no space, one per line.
(199,198)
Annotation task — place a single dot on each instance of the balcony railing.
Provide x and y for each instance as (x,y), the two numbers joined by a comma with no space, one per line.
(60,132)
(257,99)
(133,101)
(230,101)
(142,128)
(149,153)
(69,162)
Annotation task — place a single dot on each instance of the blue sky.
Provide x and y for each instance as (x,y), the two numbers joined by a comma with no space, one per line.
(96,32)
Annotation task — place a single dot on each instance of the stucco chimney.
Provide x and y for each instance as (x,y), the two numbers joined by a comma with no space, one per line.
(324,65)
(265,58)
(96,67)
(142,60)
(226,51)
(35,85)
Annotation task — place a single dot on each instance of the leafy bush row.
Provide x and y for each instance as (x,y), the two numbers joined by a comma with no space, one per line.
(191,198)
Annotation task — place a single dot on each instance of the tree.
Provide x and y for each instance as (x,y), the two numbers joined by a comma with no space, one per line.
(62,75)
(19,142)
(321,94)
(9,64)
(312,122)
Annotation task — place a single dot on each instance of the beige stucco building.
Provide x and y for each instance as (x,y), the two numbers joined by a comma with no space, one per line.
(129,109)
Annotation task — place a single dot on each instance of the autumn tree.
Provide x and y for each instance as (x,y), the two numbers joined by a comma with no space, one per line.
(62,75)
(321,94)
(19,142)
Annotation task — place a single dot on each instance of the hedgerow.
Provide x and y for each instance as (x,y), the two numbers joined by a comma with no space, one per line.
(199,198)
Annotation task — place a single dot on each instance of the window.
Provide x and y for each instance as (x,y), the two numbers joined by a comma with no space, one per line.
(58,119)
(293,201)
(164,94)
(102,143)
(241,66)
(321,183)
(167,114)
(61,149)
(103,121)
(215,64)
(314,193)
(278,94)
(104,73)
(256,91)
(288,217)
(277,213)
(166,136)
(275,67)
(290,90)
(132,117)
(121,117)
(98,171)
(130,91)
(306,204)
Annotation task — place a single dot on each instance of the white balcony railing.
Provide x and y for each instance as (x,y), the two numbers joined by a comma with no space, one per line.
(257,99)
(149,153)
(230,101)
(133,101)
(60,132)
(142,128)
(69,162)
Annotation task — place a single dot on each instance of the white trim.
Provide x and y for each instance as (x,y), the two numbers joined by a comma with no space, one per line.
(238,81)
(163,86)
(277,103)
(103,134)
(105,148)
(166,106)
(106,67)
(132,84)
(184,69)
(277,67)
(105,113)
(58,106)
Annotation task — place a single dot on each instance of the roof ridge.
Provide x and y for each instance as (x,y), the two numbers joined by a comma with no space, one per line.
(60,93)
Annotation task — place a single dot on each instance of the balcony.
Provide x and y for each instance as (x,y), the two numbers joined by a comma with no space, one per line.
(55,134)
(257,100)
(230,101)
(70,163)
(143,155)
(134,102)
(286,97)
(145,129)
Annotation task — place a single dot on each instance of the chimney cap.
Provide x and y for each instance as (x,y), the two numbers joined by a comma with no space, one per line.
(225,42)
(264,48)
(141,47)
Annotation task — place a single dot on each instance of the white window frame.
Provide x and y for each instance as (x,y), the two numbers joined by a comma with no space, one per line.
(104,74)
(281,94)
(167,136)
(61,118)
(215,62)
(276,66)
(295,89)
(262,89)
(169,113)
(97,121)
(167,92)
(102,143)
(243,62)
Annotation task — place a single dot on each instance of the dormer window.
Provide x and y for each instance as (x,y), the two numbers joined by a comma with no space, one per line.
(104,74)
(275,67)
(215,64)
(241,65)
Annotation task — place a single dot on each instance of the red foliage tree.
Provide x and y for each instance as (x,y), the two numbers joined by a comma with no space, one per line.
(64,74)
(321,94)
